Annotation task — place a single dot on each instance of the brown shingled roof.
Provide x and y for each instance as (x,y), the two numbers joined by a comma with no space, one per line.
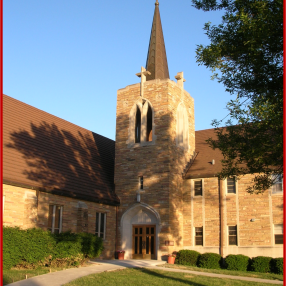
(48,153)
(202,167)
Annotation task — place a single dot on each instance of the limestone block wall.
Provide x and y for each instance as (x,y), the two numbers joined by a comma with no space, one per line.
(20,207)
(27,208)
(253,237)
(160,162)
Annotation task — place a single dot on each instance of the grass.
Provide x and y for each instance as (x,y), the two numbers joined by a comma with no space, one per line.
(141,276)
(270,276)
(15,274)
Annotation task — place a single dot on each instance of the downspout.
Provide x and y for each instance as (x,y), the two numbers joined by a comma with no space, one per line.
(221,216)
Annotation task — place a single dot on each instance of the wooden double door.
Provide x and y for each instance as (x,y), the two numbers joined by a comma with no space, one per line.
(144,242)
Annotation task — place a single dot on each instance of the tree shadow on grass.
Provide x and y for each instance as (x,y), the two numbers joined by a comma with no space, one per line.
(159,275)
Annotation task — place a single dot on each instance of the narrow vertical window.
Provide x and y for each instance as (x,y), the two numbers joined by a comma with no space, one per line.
(278,233)
(137,125)
(198,186)
(149,124)
(198,235)
(55,218)
(232,235)
(231,186)
(141,183)
(100,225)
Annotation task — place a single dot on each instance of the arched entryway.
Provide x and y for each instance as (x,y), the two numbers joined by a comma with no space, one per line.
(139,227)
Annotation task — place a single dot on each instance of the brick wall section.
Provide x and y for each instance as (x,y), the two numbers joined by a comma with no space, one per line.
(239,209)
(277,208)
(23,208)
(187,213)
(20,207)
(161,164)
(212,215)
(256,233)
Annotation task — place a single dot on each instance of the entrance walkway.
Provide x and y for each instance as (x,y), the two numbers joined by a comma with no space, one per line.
(62,277)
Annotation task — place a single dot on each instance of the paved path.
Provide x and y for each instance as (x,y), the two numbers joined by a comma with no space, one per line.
(62,277)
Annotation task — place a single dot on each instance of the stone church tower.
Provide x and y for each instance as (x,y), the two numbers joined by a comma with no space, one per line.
(155,139)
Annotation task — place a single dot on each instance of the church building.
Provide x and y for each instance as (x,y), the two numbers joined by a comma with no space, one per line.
(153,191)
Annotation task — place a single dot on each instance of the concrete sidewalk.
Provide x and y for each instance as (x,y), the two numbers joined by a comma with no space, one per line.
(62,277)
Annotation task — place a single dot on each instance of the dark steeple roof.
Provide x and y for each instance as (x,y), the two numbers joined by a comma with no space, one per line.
(157,59)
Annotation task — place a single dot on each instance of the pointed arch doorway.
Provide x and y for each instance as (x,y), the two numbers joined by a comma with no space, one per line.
(140,226)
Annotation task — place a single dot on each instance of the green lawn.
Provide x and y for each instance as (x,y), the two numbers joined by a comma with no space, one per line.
(13,275)
(140,276)
(270,276)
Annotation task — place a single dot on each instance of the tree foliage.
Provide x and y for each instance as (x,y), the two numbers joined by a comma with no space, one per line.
(246,55)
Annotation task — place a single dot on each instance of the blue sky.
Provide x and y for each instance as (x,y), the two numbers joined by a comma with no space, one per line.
(69,57)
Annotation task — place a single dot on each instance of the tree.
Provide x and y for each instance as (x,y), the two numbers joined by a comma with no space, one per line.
(246,55)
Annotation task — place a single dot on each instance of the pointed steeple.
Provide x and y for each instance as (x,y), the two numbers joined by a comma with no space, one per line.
(157,63)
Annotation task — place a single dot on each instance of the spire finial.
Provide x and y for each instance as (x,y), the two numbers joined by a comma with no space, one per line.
(157,3)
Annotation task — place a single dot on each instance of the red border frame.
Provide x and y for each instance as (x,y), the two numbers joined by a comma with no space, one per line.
(1,138)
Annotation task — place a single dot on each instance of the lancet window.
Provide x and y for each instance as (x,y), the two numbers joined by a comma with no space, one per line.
(141,123)
(149,124)
(138,125)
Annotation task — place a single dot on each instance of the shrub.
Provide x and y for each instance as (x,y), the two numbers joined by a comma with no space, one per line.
(260,264)
(36,243)
(35,246)
(187,257)
(237,262)
(92,246)
(276,265)
(210,261)
(72,243)
(11,247)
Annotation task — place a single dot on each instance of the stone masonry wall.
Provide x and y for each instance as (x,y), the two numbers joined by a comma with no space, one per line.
(255,238)
(27,208)
(20,207)
(161,164)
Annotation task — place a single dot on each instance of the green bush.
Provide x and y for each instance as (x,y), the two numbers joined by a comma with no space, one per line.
(276,265)
(237,262)
(31,246)
(36,246)
(92,246)
(187,257)
(260,264)
(210,261)
(11,247)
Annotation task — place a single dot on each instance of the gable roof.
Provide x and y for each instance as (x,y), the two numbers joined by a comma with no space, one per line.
(202,165)
(47,153)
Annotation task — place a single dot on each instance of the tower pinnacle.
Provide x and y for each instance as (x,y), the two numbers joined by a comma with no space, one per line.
(156,62)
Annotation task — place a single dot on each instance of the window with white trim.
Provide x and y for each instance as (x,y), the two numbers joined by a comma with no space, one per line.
(198,187)
(100,225)
(198,235)
(55,218)
(232,235)
(278,233)
(231,185)
(278,184)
